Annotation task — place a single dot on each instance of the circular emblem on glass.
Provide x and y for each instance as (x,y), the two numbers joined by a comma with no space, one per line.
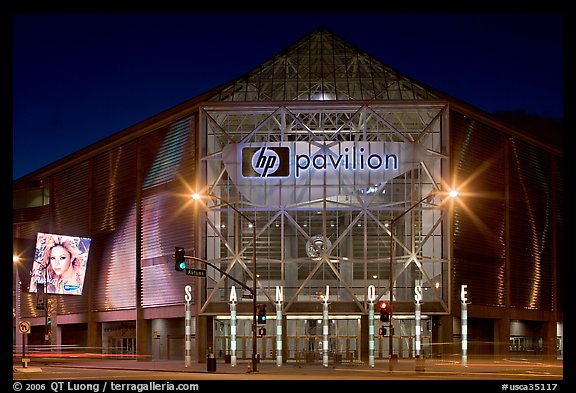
(316,244)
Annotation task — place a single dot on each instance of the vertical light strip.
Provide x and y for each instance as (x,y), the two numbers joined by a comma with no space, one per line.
(417,299)
(325,322)
(464,333)
(371,298)
(417,312)
(233,334)
(279,333)
(371,334)
(188,336)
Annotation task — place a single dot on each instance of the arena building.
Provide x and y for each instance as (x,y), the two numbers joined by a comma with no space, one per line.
(325,176)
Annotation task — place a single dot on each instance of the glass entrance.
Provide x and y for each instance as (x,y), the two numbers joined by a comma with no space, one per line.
(122,346)
(304,339)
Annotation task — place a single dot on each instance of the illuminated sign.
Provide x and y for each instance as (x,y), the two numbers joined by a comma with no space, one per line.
(265,161)
(188,293)
(464,293)
(340,168)
(279,294)
(269,162)
(417,294)
(233,297)
(371,293)
(352,158)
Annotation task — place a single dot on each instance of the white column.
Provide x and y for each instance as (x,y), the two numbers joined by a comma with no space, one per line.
(371,297)
(325,322)
(233,334)
(464,320)
(325,326)
(188,336)
(187,326)
(279,334)
(417,300)
(418,328)
(464,333)
(371,334)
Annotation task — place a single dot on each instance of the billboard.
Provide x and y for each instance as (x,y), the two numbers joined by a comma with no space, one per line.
(59,264)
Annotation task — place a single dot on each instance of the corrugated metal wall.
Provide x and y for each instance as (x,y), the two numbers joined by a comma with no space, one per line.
(479,234)
(480,154)
(531,199)
(167,213)
(98,198)
(114,239)
(558,210)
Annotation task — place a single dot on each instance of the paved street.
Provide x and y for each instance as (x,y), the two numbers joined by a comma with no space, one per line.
(404,370)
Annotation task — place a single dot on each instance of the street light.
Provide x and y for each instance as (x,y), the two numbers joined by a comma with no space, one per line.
(451,194)
(18,290)
(197,196)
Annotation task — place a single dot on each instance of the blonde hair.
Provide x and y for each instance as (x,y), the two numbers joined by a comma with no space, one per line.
(69,243)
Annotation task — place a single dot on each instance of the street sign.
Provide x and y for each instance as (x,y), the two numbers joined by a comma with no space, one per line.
(196,272)
(24,327)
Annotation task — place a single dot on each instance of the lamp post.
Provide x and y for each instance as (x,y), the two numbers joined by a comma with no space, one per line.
(451,194)
(18,290)
(254,305)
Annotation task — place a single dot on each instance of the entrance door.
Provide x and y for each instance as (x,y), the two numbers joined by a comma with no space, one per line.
(122,346)
(305,339)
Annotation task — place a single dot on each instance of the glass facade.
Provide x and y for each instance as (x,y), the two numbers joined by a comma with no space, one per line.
(331,227)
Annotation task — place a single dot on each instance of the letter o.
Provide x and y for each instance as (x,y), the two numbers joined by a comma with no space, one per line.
(371,293)
(370,161)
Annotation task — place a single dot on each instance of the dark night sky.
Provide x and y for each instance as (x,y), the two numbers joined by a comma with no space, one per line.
(80,77)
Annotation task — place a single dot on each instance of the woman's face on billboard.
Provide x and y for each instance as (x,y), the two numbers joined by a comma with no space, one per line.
(60,260)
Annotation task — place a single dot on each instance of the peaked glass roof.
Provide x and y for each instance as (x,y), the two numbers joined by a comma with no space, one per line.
(322,66)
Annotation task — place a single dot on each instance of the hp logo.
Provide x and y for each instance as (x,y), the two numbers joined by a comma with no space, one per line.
(265,161)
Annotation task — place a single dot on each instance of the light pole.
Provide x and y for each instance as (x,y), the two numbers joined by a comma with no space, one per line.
(17,289)
(451,194)
(197,196)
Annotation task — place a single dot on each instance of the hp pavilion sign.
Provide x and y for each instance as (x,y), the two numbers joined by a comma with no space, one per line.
(277,161)
(282,173)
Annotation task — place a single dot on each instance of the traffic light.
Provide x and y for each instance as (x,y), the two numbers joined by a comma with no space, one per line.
(261,331)
(40,296)
(261,313)
(382,331)
(385,311)
(179,259)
